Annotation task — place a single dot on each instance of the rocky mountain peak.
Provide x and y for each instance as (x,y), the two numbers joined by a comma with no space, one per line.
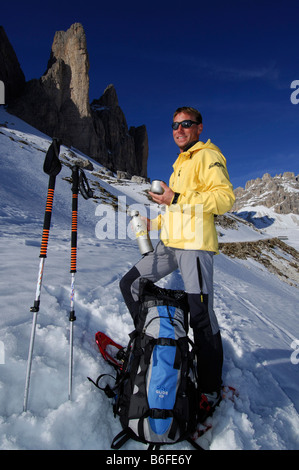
(68,67)
(280,192)
(58,105)
(109,98)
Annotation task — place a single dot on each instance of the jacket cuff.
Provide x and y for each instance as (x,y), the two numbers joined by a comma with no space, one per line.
(175,199)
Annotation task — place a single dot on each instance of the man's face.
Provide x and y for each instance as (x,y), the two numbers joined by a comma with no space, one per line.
(183,136)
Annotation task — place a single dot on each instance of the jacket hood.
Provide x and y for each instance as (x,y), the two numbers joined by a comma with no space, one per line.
(201,145)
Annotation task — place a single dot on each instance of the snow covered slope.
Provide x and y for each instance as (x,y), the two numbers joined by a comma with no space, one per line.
(257,313)
(273,224)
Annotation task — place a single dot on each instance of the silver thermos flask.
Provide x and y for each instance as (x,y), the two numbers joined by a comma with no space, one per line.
(141,233)
(156,187)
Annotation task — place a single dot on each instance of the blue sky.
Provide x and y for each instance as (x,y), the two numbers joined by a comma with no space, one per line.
(234,60)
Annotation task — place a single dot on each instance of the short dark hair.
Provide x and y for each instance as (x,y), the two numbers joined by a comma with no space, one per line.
(189,110)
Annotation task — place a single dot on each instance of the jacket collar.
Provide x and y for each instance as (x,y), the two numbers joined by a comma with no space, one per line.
(190,145)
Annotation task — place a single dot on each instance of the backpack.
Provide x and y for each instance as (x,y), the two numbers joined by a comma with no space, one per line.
(155,393)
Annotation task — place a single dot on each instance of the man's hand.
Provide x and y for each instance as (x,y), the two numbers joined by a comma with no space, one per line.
(164,198)
(147,221)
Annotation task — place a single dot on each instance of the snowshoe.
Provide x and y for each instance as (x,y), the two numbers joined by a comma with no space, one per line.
(111,351)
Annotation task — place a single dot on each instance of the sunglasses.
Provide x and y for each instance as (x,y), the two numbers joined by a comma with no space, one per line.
(185,124)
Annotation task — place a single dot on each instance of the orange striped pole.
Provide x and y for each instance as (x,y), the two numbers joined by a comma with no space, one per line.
(47,219)
(52,167)
(72,317)
(79,184)
(74,233)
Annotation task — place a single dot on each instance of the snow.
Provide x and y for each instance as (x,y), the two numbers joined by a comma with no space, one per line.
(272,224)
(257,313)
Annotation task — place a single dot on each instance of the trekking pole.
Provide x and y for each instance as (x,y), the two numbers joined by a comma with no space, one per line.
(79,183)
(72,317)
(52,167)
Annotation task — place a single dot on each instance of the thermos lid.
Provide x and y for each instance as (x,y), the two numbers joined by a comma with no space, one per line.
(133,213)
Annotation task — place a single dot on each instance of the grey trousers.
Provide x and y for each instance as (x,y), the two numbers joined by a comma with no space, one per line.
(196,268)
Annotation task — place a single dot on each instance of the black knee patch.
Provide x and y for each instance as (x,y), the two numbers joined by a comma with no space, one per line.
(125,288)
(199,311)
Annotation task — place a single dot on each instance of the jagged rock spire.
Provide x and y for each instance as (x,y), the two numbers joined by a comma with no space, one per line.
(58,105)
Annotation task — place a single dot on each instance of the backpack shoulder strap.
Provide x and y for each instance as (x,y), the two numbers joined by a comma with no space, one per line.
(194,444)
(120,439)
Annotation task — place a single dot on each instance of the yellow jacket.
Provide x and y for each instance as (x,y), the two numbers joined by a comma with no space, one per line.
(200,177)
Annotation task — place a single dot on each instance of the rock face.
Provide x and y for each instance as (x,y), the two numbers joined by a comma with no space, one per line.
(123,143)
(280,192)
(58,105)
(10,71)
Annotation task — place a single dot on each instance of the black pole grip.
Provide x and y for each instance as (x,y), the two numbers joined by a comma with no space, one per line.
(52,164)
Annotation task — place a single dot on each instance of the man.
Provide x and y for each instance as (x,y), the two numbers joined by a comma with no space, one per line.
(199,188)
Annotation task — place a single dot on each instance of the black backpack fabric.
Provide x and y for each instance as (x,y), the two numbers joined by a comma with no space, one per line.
(155,392)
